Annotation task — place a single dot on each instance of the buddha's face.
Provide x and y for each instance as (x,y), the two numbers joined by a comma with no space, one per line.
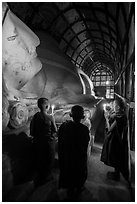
(20,62)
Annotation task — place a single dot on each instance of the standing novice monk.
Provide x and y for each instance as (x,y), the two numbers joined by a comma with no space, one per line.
(42,129)
(115,148)
(73,139)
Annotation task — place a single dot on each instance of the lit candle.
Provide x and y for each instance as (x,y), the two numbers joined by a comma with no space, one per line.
(52,108)
(107,82)
(104,107)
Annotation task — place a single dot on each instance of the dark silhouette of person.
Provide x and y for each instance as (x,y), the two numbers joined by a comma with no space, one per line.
(73,139)
(42,129)
(115,147)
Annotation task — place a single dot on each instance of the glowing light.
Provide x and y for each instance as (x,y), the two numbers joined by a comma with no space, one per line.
(107,82)
(107,107)
(104,106)
(52,108)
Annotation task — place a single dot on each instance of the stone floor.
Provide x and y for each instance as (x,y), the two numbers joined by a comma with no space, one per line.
(97,187)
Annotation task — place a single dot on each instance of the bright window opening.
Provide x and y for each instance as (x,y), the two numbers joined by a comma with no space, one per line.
(103,77)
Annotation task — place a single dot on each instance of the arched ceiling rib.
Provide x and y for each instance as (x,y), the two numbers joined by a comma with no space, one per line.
(87,32)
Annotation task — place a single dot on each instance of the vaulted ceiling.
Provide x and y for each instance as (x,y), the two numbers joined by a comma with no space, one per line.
(89,33)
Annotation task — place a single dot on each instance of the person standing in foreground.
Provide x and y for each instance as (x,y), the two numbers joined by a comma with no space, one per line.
(42,129)
(115,147)
(73,139)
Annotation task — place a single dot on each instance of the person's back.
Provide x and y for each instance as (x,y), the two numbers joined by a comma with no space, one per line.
(73,138)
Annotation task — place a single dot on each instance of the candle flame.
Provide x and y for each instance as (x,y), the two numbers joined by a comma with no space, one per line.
(52,108)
